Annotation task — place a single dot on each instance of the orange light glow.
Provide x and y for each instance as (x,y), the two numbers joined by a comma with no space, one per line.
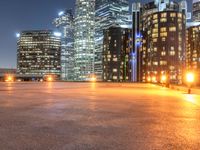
(163,78)
(154,79)
(149,79)
(50,79)
(93,79)
(9,78)
(190,77)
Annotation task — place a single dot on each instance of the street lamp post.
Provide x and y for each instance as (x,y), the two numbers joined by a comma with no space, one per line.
(190,80)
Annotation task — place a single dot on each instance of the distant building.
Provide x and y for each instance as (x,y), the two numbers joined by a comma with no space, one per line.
(7,71)
(38,53)
(107,13)
(193,50)
(163,43)
(196,10)
(65,24)
(117,54)
(84,39)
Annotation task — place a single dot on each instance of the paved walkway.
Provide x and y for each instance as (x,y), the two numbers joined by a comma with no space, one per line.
(97,116)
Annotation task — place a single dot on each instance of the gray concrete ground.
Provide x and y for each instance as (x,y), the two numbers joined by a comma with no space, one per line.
(97,116)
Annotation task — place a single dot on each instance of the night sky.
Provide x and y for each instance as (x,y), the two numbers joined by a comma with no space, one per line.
(17,15)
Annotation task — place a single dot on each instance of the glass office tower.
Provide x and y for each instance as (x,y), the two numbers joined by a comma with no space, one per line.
(108,12)
(65,24)
(38,53)
(84,39)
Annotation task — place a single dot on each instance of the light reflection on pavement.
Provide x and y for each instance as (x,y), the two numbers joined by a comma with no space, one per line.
(102,116)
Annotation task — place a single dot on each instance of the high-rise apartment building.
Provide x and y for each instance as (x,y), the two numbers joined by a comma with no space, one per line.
(163,44)
(38,53)
(84,39)
(108,13)
(117,54)
(196,10)
(193,50)
(65,24)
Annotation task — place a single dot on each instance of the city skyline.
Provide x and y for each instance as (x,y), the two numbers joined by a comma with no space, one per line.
(14,21)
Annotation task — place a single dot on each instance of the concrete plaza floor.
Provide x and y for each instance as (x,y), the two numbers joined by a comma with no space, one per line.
(97,116)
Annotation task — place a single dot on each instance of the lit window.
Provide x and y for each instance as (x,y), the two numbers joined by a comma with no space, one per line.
(163,62)
(155,30)
(172,48)
(163,29)
(172,29)
(115,59)
(115,77)
(163,20)
(173,15)
(164,34)
(155,63)
(155,16)
(163,53)
(179,15)
(155,21)
(155,35)
(155,40)
(114,70)
(172,53)
(164,15)
(163,39)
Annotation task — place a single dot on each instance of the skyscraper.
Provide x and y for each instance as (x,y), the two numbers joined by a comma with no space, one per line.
(84,39)
(65,25)
(163,45)
(38,53)
(108,12)
(196,10)
(117,54)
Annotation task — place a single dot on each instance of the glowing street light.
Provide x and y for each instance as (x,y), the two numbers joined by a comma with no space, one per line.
(190,78)
(163,79)
(49,78)
(149,79)
(9,78)
(154,80)
(93,78)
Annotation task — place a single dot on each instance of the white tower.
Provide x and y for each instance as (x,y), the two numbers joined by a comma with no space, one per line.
(84,39)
